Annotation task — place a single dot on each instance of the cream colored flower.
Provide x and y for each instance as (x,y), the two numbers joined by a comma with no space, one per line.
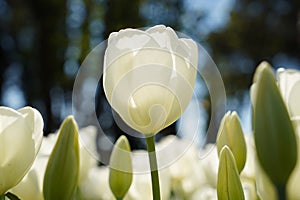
(289,84)
(96,186)
(141,186)
(21,134)
(185,173)
(149,76)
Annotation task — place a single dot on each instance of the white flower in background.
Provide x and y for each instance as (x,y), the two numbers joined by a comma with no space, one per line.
(149,76)
(289,84)
(96,185)
(141,186)
(185,173)
(21,134)
(31,186)
(209,163)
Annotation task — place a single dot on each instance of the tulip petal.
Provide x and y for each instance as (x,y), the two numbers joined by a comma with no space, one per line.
(289,84)
(17,150)
(7,117)
(35,122)
(164,36)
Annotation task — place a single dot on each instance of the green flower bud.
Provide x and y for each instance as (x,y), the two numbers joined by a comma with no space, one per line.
(229,186)
(231,134)
(273,130)
(120,174)
(61,176)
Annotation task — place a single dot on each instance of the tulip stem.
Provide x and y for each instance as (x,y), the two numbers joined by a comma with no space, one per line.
(153,166)
(2,197)
(281,192)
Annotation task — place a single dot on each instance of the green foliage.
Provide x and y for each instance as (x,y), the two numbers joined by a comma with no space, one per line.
(229,186)
(274,134)
(61,176)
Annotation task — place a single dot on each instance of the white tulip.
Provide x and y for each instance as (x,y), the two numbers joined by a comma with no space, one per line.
(209,163)
(185,173)
(141,186)
(96,186)
(31,185)
(289,84)
(149,76)
(205,193)
(21,134)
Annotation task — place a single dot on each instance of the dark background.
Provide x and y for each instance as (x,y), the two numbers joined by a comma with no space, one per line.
(42,44)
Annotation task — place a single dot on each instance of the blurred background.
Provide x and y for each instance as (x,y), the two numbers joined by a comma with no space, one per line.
(42,44)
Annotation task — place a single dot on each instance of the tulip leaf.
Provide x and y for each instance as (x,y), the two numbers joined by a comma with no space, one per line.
(273,130)
(229,185)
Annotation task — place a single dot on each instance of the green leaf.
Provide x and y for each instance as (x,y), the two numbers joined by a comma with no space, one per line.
(120,174)
(229,185)
(231,134)
(61,176)
(273,130)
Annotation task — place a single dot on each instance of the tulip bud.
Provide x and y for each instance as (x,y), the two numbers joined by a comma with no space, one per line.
(61,176)
(273,130)
(229,186)
(120,174)
(231,134)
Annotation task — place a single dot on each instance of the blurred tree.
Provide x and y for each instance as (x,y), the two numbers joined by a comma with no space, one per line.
(50,44)
(37,33)
(42,44)
(257,30)
(122,14)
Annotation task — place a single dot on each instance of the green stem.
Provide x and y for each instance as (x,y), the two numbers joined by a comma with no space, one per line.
(119,198)
(153,166)
(281,191)
(2,197)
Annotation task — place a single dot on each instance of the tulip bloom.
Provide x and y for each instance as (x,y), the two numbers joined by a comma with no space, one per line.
(289,85)
(21,134)
(149,76)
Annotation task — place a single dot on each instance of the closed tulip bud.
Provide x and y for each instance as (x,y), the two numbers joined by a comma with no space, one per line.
(61,176)
(21,133)
(231,134)
(229,186)
(120,174)
(273,130)
(149,76)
